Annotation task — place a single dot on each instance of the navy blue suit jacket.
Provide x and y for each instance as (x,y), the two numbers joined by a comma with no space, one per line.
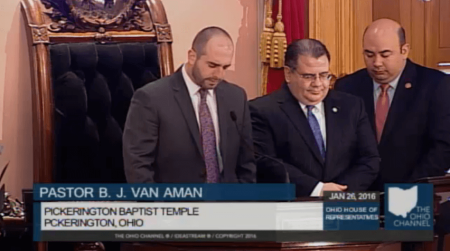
(416,137)
(282,132)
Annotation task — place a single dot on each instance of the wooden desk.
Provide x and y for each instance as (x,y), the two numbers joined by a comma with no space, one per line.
(261,246)
(441,184)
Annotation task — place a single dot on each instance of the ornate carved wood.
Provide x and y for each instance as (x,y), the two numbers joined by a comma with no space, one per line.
(72,21)
(57,21)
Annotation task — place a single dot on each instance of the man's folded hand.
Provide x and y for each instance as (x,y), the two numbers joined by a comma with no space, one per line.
(332,187)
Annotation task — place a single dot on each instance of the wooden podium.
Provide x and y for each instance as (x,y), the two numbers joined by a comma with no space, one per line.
(441,185)
(21,225)
(291,246)
(261,246)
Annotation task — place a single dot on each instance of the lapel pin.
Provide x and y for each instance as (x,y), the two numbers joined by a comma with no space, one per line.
(408,85)
(334,109)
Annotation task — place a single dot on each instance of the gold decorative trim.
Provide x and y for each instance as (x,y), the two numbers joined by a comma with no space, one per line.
(39,34)
(163,33)
(102,37)
(265,75)
(279,41)
(273,43)
(265,45)
(267,34)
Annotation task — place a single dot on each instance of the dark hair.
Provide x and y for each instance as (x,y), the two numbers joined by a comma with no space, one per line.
(202,38)
(304,47)
(401,36)
(400,32)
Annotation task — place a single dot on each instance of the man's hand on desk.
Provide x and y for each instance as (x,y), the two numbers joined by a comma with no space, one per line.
(332,187)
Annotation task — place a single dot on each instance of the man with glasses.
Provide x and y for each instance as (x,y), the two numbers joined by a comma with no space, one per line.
(320,137)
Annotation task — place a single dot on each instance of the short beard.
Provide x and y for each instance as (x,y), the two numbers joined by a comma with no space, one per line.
(197,77)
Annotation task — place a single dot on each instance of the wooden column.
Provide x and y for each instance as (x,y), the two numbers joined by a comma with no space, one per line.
(340,25)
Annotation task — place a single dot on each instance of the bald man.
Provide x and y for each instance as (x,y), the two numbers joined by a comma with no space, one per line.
(408,107)
(193,126)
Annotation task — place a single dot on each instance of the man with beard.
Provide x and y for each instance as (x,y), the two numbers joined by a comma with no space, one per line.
(193,126)
(320,137)
(408,107)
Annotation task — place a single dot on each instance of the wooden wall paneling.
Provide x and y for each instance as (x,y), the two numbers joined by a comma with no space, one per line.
(313,22)
(440,48)
(323,26)
(444,18)
(345,41)
(340,25)
(363,18)
(431,33)
(410,14)
(387,9)
(412,19)
(405,20)
(333,23)
(417,32)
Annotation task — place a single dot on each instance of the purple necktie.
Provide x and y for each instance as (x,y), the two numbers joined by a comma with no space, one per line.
(208,137)
(315,127)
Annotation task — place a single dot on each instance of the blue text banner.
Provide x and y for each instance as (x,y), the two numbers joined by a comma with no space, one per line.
(164,192)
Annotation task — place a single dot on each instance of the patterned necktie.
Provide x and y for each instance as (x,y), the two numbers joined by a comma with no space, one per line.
(208,137)
(382,109)
(315,127)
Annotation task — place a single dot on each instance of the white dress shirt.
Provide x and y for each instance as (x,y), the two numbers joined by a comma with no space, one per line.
(390,92)
(319,113)
(194,93)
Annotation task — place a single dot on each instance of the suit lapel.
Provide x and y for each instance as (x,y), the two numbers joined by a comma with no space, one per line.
(185,103)
(333,127)
(366,92)
(402,100)
(293,111)
(223,117)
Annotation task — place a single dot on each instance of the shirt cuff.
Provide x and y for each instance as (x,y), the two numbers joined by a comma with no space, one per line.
(317,190)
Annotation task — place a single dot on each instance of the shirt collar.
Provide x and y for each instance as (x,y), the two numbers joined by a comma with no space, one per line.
(318,106)
(192,87)
(393,83)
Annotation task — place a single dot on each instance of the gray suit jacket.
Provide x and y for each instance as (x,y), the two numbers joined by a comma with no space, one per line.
(161,140)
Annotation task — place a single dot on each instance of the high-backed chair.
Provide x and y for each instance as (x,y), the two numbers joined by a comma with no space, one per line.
(89,56)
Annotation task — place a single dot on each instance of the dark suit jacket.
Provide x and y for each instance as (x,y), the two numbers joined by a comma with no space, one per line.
(161,141)
(416,137)
(281,131)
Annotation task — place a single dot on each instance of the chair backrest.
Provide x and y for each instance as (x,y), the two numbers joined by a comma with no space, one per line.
(89,56)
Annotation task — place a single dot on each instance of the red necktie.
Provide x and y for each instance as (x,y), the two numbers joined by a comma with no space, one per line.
(382,110)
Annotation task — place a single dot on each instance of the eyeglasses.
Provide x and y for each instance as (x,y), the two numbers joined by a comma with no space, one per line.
(325,76)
